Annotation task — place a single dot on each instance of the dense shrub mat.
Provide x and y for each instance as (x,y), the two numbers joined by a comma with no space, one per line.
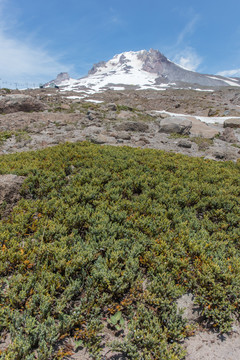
(106,230)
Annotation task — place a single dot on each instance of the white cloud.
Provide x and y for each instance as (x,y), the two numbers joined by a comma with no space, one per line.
(188,29)
(233,72)
(188,58)
(182,54)
(22,61)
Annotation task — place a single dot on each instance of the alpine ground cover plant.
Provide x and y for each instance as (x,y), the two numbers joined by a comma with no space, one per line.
(117,234)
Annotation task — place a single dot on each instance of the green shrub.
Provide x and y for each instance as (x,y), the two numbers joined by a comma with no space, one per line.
(4,135)
(203,143)
(93,224)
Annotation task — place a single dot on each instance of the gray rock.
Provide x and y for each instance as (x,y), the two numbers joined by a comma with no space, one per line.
(123,135)
(111,115)
(228,135)
(184,143)
(175,124)
(101,139)
(133,126)
(92,115)
(144,140)
(112,107)
(190,310)
(212,112)
(18,102)
(232,123)
(140,143)
(201,129)
(97,139)
(91,130)
(219,154)
(226,153)
(65,107)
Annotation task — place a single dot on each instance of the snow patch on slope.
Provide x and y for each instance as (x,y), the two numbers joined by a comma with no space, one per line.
(206,119)
(229,82)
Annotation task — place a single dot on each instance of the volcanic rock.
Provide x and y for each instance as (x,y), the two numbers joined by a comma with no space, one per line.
(212,112)
(123,135)
(133,126)
(201,129)
(175,124)
(228,135)
(18,102)
(184,143)
(112,107)
(232,123)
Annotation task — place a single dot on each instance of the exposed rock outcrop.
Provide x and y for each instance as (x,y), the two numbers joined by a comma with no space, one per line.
(184,143)
(228,135)
(133,126)
(200,128)
(232,123)
(178,125)
(19,102)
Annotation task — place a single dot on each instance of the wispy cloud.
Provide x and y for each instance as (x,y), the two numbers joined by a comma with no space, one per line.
(188,58)
(114,17)
(21,60)
(233,72)
(188,29)
(181,52)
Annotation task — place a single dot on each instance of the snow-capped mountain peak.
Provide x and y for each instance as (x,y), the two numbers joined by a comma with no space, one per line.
(140,70)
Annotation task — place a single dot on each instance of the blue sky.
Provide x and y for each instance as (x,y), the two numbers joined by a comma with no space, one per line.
(39,39)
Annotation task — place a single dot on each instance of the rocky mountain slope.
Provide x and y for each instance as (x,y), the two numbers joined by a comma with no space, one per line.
(140,70)
(194,123)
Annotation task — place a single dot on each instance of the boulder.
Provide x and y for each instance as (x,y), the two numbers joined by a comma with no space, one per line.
(175,124)
(228,135)
(184,143)
(18,102)
(92,115)
(123,135)
(145,140)
(202,129)
(223,153)
(133,126)
(101,139)
(190,310)
(212,112)
(232,123)
(112,107)
(140,143)
(65,107)
(90,130)
(126,114)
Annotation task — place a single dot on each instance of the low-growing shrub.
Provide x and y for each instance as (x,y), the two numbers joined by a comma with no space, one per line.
(203,143)
(94,224)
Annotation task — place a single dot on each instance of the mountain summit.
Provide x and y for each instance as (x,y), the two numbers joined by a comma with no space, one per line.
(142,70)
